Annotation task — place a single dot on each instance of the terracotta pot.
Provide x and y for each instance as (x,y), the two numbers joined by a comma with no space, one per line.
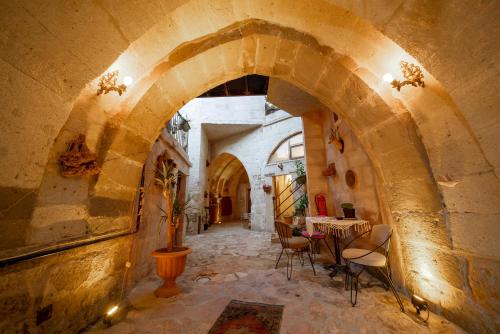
(169,266)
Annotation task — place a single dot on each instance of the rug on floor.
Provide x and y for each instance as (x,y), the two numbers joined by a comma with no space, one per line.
(241,317)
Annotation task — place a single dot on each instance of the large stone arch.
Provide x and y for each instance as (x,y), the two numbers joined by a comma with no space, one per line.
(370,118)
(358,54)
(337,81)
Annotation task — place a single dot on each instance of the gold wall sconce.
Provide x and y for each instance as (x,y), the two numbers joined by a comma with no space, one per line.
(412,74)
(108,83)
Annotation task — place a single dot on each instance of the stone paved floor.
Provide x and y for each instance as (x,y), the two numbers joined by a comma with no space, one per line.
(241,265)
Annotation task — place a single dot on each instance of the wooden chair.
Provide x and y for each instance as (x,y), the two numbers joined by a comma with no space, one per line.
(291,246)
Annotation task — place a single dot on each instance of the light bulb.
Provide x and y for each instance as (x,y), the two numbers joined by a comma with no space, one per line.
(112,311)
(127,81)
(388,77)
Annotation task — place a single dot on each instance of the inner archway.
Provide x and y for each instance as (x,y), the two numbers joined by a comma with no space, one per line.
(229,189)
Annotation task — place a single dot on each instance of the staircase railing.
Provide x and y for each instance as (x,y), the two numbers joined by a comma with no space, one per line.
(277,206)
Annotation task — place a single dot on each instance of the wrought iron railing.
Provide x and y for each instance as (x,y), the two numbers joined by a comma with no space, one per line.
(178,127)
(293,187)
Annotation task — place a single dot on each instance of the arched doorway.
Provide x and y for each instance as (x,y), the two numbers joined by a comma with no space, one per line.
(229,194)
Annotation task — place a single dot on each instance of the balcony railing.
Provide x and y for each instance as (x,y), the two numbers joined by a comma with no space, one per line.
(178,127)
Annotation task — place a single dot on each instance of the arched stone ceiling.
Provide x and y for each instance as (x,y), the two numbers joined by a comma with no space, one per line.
(68,58)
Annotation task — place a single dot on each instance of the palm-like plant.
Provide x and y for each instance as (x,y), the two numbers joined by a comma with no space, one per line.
(167,179)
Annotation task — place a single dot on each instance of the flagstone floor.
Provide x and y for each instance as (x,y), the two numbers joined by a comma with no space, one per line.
(229,262)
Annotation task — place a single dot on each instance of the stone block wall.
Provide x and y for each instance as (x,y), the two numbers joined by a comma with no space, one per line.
(80,284)
(364,193)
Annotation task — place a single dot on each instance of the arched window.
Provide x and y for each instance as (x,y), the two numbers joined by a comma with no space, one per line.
(290,149)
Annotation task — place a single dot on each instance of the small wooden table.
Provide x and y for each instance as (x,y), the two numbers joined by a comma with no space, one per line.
(339,229)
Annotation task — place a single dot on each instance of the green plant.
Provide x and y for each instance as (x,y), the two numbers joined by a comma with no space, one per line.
(301,205)
(184,124)
(347,206)
(296,232)
(300,169)
(167,179)
(180,208)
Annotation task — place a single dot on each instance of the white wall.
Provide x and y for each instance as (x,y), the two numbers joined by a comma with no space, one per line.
(253,150)
(252,147)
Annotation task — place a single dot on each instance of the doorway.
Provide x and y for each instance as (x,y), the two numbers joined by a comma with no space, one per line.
(283,194)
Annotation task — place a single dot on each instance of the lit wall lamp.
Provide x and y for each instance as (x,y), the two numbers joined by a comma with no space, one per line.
(108,83)
(110,313)
(420,305)
(412,74)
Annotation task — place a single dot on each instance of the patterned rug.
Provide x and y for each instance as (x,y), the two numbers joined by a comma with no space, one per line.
(248,318)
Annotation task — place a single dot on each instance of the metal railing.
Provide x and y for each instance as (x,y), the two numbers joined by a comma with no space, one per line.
(277,206)
(178,127)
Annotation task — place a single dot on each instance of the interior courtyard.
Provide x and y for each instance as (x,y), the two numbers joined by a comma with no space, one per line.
(233,166)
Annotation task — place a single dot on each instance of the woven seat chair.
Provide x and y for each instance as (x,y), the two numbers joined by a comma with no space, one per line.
(292,246)
(377,256)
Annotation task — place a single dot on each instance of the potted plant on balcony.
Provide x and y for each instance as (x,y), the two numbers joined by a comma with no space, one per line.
(184,124)
(349,211)
(170,261)
(300,171)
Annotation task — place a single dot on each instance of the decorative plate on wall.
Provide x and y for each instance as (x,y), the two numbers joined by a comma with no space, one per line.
(350,178)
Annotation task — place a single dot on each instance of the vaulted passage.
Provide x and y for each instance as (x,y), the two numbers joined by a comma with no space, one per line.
(211,89)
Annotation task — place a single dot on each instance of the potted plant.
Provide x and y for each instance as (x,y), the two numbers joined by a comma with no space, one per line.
(288,219)
(180,210)
(170,261)
(184,124)
(349,211)
(300,172)
(302,204)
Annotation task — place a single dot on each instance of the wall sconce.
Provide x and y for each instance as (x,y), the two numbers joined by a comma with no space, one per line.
(280,166)
(420,305)
(412,74)
(112,310)
(109,315)
(108,83)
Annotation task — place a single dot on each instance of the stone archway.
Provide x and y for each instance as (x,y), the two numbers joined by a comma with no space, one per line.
(225,174)
(371,130)
(335,56)
(368,115)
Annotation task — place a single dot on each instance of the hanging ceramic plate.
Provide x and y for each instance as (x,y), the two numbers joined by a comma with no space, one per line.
(350,178)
